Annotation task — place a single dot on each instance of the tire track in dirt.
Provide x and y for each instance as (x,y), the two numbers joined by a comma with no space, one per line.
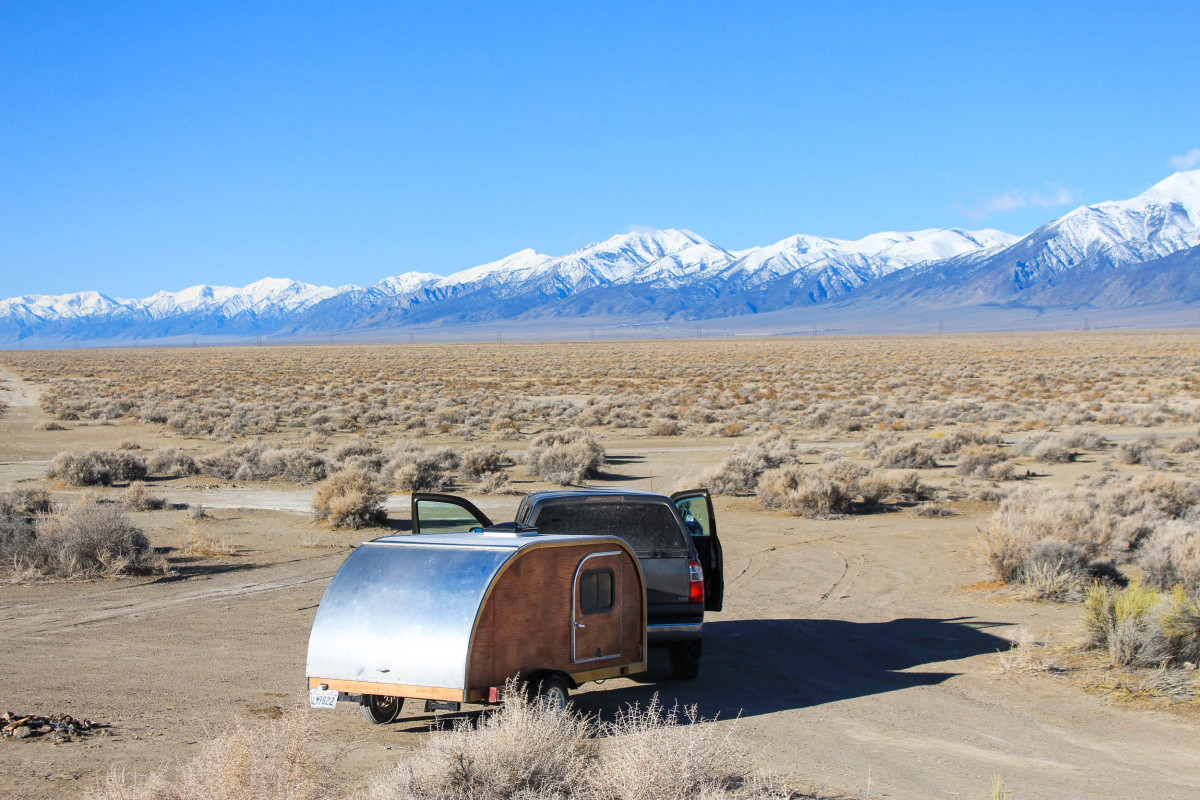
(64,614)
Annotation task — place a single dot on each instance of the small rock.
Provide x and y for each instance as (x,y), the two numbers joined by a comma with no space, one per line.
(22,732)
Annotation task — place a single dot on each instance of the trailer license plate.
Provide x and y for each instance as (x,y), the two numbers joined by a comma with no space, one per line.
(323,698)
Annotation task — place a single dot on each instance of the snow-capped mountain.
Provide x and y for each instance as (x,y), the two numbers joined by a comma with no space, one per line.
(1113,254)
(1091,240)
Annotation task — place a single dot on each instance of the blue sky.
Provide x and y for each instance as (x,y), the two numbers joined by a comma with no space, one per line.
(158,145)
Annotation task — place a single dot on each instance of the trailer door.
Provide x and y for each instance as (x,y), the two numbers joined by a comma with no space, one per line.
(596,609)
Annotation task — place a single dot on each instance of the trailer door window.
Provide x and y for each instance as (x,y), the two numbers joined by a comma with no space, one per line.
(596,591)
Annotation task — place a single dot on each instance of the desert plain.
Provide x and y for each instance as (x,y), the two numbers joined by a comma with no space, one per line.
(866,646)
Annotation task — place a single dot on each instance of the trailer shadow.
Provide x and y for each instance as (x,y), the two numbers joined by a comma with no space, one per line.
(753,667)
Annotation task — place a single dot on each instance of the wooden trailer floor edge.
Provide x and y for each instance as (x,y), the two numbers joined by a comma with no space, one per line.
(389,689)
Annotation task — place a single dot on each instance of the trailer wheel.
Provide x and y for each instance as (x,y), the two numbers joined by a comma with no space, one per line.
(685,661)
(381,709)
(552,691)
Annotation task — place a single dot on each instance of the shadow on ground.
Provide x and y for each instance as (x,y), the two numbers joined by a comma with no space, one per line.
(753,667)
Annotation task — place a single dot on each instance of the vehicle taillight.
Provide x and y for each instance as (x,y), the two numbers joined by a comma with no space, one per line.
(696,589)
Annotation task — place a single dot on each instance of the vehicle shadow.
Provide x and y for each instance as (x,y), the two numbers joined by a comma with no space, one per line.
(183,569)
(752,667)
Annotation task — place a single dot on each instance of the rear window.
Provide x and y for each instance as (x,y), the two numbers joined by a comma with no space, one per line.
(649,528)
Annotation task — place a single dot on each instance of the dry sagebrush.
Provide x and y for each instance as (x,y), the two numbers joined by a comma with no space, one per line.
(1054,542)
(565,457)
(271,762)
(86,540)
(97,467)
(829,386)
(350,499)
(522,751)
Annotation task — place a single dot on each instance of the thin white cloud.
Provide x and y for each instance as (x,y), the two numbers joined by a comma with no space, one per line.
(1014,199)
(1188,160)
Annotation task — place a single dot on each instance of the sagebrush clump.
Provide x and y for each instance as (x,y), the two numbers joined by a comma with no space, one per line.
(86,540)
(1139,627)
(565,457)
(410,467)
(984,461)
(739,473)
(138,497)
(97,467)
(523,750)
(349,499)
(1054,542)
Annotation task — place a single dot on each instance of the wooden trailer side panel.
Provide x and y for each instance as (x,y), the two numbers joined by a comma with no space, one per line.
(525,622)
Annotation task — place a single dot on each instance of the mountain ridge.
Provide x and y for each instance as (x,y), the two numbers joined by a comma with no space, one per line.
(1100,255)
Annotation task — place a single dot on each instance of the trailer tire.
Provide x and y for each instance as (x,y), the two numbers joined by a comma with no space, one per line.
(552,692)
(380,709)
(685,661)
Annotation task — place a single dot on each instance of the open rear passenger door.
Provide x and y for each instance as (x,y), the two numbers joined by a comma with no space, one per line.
(446,513)
(695,505)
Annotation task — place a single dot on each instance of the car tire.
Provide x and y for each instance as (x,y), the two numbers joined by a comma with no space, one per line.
(685,661)
(380,709)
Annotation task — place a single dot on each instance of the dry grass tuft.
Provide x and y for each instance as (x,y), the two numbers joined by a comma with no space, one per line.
(270,762)
(530,751)
(197,544)
(1026,655)
(668,754)
(524,750)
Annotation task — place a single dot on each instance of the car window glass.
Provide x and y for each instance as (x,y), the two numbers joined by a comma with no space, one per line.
(440,517)
(695,515)
(649,528)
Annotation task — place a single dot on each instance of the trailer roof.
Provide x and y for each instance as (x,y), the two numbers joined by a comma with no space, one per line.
(490,540)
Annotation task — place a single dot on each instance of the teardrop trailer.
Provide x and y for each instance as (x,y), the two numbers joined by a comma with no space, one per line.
(450,617)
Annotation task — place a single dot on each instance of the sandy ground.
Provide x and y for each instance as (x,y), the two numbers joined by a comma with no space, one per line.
(859,654)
